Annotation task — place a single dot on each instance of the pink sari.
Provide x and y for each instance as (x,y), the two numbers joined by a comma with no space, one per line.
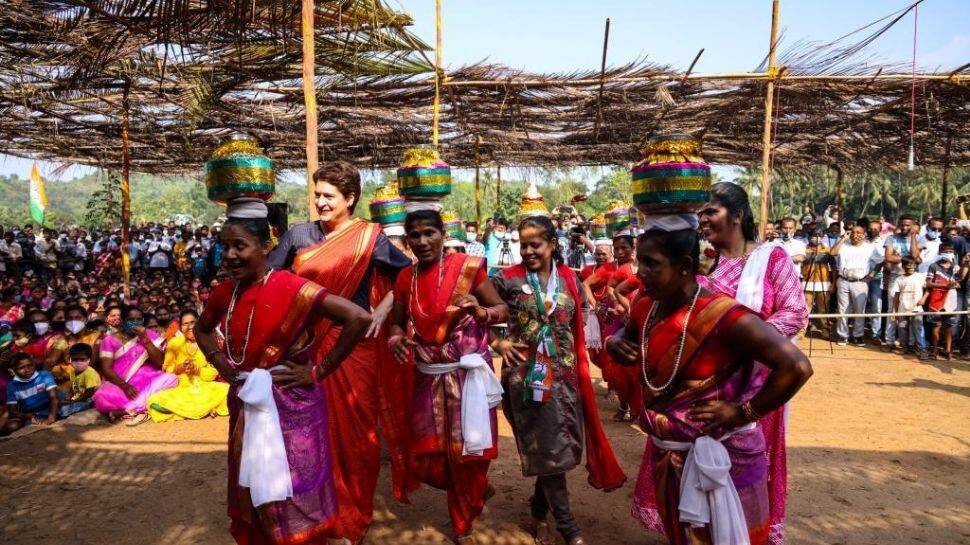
(131,363)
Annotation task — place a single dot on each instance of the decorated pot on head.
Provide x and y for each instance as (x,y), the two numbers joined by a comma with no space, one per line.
(597,227)
(454,232)
(672,178)
(423,179)
(617,218)
(387,207)
(532,204)
(239,169)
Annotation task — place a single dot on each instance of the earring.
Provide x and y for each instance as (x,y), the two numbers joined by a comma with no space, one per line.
(683,273)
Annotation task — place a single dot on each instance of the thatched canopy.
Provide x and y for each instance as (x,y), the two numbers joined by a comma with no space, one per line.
(195,70)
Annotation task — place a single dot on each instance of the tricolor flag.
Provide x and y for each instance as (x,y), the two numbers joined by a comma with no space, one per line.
(38,195)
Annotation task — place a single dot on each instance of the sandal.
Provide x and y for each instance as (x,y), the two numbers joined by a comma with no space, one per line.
(542,533)
(137,419)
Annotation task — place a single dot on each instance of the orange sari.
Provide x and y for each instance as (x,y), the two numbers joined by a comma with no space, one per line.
(368,389)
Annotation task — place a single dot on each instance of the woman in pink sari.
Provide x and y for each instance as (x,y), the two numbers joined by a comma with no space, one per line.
(131,360)
(764,279)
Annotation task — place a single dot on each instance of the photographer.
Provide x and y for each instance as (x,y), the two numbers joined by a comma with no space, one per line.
(581,248)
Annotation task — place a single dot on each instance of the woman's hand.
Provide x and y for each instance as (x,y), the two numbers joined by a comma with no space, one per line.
(468,304)
(379,315)
(513,354)
(296,375)
(717,415)
(622,350)
(401,347)
(129,391)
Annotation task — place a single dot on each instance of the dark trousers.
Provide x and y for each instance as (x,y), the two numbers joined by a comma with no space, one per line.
(551,494)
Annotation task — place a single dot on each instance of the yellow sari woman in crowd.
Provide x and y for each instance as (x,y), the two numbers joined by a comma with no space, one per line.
(198,395)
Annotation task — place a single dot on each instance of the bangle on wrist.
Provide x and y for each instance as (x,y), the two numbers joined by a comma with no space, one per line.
(750,414)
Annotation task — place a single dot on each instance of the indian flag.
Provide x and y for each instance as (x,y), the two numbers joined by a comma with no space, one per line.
(38,195)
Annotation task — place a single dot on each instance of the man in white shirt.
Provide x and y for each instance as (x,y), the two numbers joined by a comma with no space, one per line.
(853,287)
(794,247)
(929,244)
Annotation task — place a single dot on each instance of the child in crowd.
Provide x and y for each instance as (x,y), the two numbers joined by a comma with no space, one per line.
(84,381)
(909,298)
(31,396)
(942,279)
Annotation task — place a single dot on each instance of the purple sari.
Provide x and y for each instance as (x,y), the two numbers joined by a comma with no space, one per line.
(131,363)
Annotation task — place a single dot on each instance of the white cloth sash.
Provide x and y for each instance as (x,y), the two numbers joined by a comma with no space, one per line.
(479,394)
(594,335)
(751,285)
(707,493)
(263,466)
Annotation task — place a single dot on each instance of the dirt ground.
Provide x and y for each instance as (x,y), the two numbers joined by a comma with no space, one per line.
(879,453)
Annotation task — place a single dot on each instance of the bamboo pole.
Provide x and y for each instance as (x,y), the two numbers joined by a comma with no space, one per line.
(766,135)
(946,174)
(437,75)
(659,78)
(310,106)
(498,189)
(125,191)
(839,193)
(478,187)
(599,98)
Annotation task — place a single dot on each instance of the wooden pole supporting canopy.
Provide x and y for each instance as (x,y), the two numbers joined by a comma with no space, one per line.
(310,105)
(766,135)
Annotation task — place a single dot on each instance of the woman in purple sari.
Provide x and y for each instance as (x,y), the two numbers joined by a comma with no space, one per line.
(281,488)
(131,360)
(704,476)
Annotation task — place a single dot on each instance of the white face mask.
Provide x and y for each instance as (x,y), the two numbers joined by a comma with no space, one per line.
(41,327)
(471,237)
(74,326)
(951,257)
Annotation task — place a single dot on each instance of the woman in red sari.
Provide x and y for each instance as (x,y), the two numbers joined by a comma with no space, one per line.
(443,306)
(281,488)
(353,259)
(611,314)
(705,465)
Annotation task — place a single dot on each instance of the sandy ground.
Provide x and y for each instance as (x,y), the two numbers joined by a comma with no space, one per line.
(879,453)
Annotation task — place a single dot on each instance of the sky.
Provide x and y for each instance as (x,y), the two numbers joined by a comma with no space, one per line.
(567,35)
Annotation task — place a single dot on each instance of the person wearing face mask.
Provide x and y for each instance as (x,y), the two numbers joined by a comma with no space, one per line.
(197,395)
(817,272)
(50,344)
(83,381)
(855,273)
(929,244)
(942,279)
(793,247)
(900,244)
(473,247)
(130,362)
(495,243)
(877,287)
(75,332)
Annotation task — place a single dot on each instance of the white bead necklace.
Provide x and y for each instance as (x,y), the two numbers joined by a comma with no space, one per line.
(232,307)
(645,344)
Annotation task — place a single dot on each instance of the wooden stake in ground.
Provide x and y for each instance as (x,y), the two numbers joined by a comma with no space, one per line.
(310,105)
(946,175)
(125,191)
(766,135)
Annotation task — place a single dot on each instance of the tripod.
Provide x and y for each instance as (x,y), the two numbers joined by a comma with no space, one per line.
(505,256)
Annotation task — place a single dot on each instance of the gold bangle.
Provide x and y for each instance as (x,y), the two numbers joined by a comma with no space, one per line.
(750,414)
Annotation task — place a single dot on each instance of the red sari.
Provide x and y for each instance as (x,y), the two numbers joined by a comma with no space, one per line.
(283,314)
(368,389)
(443,335)
(621,379)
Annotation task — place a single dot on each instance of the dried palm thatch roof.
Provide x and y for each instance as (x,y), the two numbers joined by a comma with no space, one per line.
(194,70)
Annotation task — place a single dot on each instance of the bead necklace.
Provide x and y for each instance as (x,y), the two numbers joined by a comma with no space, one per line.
(645,344)
(414,284)
(236,362)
